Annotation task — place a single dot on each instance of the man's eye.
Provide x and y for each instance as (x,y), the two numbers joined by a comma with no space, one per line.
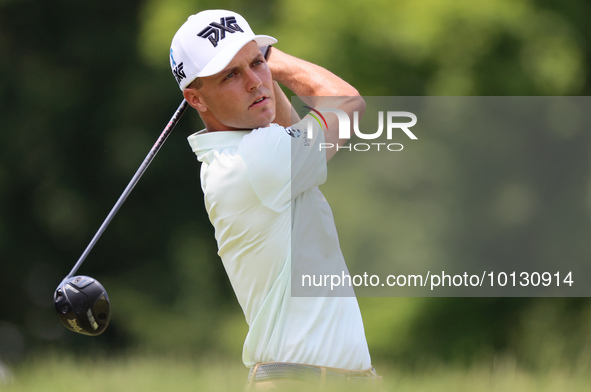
(230,75)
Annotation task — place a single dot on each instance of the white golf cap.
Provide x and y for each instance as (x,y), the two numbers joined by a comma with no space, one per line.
(207,42)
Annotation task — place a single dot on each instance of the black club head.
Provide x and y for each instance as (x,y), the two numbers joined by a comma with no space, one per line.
(83,305)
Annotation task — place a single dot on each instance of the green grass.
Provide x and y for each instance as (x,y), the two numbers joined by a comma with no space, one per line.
(146,373)
(501,378)
(125,373)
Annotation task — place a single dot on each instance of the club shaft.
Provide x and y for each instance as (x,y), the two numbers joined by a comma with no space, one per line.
(138,174)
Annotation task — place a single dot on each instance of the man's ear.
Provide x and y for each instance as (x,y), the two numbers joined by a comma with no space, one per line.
(195,99)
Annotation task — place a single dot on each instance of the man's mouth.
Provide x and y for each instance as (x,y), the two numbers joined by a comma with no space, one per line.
(258,101)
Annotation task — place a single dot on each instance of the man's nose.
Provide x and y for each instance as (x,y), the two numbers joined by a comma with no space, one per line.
(253,80)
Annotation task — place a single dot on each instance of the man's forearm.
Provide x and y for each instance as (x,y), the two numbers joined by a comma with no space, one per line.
(306,79)
(318,87)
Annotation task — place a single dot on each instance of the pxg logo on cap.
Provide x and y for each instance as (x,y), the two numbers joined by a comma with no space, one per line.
(177,70)
(217,31)
(207,42)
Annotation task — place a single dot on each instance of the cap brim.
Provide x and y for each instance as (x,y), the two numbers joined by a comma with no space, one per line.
(222,59)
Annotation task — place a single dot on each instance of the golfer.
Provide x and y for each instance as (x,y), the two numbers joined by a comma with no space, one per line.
(260,174)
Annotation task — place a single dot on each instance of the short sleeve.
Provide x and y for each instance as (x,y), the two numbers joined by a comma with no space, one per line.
(308,158)
(282,163)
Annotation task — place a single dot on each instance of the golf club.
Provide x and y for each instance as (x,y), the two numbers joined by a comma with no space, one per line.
(82,302)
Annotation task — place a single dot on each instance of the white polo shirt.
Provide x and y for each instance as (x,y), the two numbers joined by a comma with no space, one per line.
(261,194)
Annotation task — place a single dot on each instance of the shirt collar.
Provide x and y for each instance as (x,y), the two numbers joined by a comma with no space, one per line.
(202,142)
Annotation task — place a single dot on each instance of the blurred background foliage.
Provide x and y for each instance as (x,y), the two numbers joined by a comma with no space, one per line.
(85,90)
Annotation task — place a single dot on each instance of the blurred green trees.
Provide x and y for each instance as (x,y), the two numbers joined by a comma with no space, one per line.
(85,89)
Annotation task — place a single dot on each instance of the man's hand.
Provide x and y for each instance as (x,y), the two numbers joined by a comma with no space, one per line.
(284,112)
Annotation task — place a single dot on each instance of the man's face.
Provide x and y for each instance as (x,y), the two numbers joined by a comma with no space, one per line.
(241,96)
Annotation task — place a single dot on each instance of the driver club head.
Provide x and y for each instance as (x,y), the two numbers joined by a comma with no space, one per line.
(83,305)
